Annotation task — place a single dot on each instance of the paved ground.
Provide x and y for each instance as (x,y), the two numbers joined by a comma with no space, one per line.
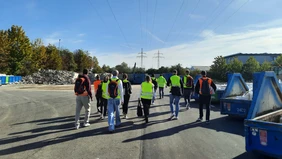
(39,123)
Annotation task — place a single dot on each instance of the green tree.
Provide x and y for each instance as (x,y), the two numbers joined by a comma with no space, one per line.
(81,59)
(139,70)
(219,68)
(68,60)
(251,66)
(179,68)
(54,60)
(265,66)
(4,51)
(152,71)
(123,68)
(278,61)
(235,66)
(106,68)
(195,72)
(95,65)
(39,55)
(20,61)
(163,70)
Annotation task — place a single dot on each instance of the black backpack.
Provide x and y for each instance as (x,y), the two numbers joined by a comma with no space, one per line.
(126,88)
(154,81)
(99,91)
(189,82)
(205,87)
(113,88)
(79,87)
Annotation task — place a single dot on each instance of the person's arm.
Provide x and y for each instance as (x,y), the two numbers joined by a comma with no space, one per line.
(140,92)
(88,87)
(130,88)
(213,86)
(193,84)
(197,88)
(120,87)
(168,82)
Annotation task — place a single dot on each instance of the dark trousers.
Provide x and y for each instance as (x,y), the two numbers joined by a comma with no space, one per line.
(98,99)
(104,106)
(146,106)
(187,95)
(125,104)
(207,101)
(161,92)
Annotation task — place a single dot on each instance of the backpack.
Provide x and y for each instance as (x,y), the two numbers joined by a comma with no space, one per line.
(126,88)
(113,88)
(205,87)
(79,86)
(154,81)
(189,82)
(99,91)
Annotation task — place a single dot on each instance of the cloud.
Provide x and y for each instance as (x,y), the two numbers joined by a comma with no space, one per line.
(52,38)
(203,52)
(269,24)
(152,35)
(80,35)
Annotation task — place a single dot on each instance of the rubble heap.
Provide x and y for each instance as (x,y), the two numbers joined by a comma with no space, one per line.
(55,77)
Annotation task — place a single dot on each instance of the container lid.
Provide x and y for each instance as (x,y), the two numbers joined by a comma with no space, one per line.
(236,86)
(267,95)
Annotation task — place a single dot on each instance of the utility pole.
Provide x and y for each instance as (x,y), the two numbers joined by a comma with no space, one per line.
(142,55)
(158,57)
(59,44)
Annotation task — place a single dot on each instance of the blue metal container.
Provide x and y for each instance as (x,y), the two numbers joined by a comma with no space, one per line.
(167,75)
(11,79)
(3,80)
(230,103)
(16,78)
(20,78)
(263,130)
(138,78)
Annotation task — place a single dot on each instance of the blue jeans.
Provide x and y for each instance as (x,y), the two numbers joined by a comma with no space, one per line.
(113,106)
(154,95)
(174,99)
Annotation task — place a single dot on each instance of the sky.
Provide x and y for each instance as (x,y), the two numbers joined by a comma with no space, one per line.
(189,32)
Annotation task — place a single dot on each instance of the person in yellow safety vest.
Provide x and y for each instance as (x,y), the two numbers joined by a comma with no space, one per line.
(176,92)
(105,97)
(188,88)
(146,95)
(161,82)
(205,87)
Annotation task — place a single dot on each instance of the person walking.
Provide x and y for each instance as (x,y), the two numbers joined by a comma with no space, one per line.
(126,91)
(115,94)
(146,96)
(205,87)
(161,83)
(176,92)
(83,94)
(154,81)
(188,88)
(98,98)
(105,97)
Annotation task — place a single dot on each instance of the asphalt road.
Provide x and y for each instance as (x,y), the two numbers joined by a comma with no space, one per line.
(39,123)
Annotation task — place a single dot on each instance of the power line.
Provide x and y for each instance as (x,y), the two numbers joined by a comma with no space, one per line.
(197,4)
(231,15)
(97,13)
(174,21)
(142,55)
(140,22)
(153,22)
(158,57)
(118,24)
(147,22)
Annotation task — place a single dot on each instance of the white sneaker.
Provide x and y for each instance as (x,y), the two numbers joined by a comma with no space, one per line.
(153,104)
(126,117)
(102,117)
(187,106)
(86,124)
(76,127)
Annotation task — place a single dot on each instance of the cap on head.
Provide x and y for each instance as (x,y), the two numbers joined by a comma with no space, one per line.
(203,73)
(152,75)
(98,77)
(174,71)
(187,71)
(85,71)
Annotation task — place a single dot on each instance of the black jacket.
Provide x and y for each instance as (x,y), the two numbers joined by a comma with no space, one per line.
(177,91)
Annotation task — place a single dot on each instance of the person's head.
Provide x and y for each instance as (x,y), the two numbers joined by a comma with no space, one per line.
(124,76)
(187,72)
(106,78)
(85,71)
(148,78)
(115,73)
(152,75)
(161,74)
(174,72)
(203,73)
(97,77)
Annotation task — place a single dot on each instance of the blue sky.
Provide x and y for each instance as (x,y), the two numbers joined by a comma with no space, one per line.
(190,32)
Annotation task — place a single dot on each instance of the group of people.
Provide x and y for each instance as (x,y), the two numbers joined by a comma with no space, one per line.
(112,92)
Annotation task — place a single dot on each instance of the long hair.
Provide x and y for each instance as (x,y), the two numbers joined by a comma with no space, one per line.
(148,78)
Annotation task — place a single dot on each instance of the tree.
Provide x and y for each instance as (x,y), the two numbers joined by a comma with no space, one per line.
(163,69)
(68,58)
(4,51)
(96,67)
(123,68)
(235,66)
(251,66)
(107,69)
(179,68)
(54,60)
(195,72)
(39,55)
(265,66)
(219,68)
(278,61)
(20,61)
(152,71)
(82,61)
